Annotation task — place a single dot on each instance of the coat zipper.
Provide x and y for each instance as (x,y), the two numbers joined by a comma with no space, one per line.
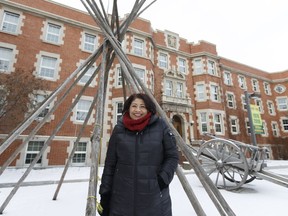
(135,172)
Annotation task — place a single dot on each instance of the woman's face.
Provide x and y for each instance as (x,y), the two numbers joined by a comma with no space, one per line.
(137,109)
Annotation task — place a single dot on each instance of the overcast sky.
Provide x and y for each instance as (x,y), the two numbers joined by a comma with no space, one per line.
(252,32)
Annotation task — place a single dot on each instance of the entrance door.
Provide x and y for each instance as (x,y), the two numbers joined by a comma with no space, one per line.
(177,124)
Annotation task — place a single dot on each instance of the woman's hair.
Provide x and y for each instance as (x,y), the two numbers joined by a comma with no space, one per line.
(150,106)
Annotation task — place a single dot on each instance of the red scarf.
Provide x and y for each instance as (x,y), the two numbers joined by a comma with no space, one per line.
(138,124)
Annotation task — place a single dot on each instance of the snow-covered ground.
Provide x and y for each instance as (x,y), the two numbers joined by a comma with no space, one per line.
(258,198)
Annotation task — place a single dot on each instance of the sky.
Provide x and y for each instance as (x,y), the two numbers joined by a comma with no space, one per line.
(254,32)
(258,198)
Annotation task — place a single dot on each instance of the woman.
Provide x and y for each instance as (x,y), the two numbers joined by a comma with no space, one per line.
(140,163)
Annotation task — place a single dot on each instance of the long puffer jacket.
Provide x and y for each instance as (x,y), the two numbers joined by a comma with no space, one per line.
(134,161)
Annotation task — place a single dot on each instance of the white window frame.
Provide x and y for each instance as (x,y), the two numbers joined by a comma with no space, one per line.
(259,103)
(12,24)
(34,152)
(203,122)
(139,46)
(282,103)
(255,85)
(119,77)
(179,90)
(247,125)
(119,105)
(163,60)
(56,67)
(214,93)
(6,56)
(169,88)
(267,88)
(243,101)
(275,129)
(77,110)
(141,73)
(271,107)
(79,151)
(84,79)
(234,128)
(218,123)
(59,35)
(211,65)
(90,42)
(227,78)
(201,92)
(230,101)
(242,82)
(182,65)
(50,64)
(284,124)
(197,66)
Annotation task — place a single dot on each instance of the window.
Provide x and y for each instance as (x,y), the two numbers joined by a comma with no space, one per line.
(227,78)
(214,92)
(275,129)
(198,66)
(53,33)
(200,89)
(89,42)
(10,22)
(84,79)
(258,102)
(138,47)
(182,65)
(234,125)
(203,122)
(267,88)
(282,103)
(280,88)
(38,100)
(255,85)
(285,124)
(119,77)
(248,126)
(163,60)
(119,108)
(168,88)
(244,105)
(242,82)
(230,100)
(48,67)
(140,73)
(218,123)
(211,67)
(271,108)
(82,109)
(79,156)
(179,90)
(33,148)
(5,58)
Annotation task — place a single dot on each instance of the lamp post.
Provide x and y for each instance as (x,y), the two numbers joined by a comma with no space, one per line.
(247,101)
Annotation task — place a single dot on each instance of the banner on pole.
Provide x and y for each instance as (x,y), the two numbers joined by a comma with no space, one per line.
(256,118)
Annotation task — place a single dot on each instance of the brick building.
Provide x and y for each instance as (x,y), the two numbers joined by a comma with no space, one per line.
(199,90)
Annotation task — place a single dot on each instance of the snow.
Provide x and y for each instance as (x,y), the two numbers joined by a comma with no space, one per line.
(259,197)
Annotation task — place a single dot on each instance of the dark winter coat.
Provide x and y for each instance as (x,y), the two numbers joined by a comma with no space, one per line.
(134,162)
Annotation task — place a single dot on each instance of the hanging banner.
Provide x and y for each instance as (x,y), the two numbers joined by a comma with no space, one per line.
(256,118)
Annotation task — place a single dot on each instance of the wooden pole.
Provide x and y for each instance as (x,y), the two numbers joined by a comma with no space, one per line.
(95,145)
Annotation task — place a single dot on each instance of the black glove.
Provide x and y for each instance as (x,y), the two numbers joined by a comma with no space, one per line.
(161,183)
(105,203)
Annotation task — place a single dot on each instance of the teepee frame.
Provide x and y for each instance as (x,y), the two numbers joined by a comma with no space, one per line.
(111,48)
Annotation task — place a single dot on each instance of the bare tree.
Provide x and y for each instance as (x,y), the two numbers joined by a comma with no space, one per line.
(17,91)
